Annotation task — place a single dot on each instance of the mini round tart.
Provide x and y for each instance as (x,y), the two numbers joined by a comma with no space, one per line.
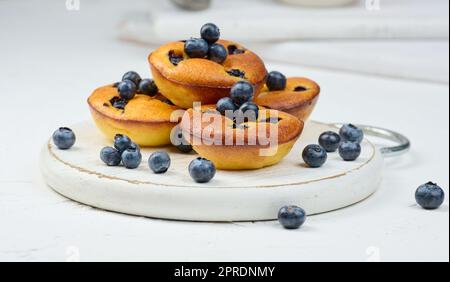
(298,99)
(146,120)
(247,146)
(185,80)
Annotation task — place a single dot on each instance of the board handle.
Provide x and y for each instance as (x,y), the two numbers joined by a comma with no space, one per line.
(403,143)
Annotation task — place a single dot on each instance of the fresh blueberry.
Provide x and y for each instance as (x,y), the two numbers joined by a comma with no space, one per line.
(179,141)
(330,141)
(250,110)
(202,170)
(226,104)
(148,87)
(350,132)
(110,156)
(196,48)
(217,53)
(242,92)
(131,158)
(64,138)
(430,196)
(349,151)
(315,156)
(122,142)
(132,76)
(127,89)
(276,81)
(210,33)
(159,162)
(291,217)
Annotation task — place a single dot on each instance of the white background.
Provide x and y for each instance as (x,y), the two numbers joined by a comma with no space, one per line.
(52,58)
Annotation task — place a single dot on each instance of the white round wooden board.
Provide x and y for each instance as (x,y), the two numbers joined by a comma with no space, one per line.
(80,175)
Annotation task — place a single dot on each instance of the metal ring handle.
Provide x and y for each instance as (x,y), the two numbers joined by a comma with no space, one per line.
(404,144)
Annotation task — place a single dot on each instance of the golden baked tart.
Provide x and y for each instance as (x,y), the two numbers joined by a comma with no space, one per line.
(249,145)
(186,80)
(299,98)
(145,119)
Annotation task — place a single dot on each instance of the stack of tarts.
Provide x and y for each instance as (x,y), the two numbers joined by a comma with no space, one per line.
(214,94)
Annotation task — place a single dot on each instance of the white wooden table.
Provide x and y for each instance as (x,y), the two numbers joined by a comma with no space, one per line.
(48,70)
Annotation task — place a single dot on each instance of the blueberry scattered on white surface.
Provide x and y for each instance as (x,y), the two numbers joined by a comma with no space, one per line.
(122,142)
(159,162)
(430,196)
(352,133)
(276,81)
(132,76)
(178,140)
(111,156)
(226,104)
(202,170)
(315,156)
(127,89)
(330,141)
(291,217)
(217,53)
(242,92)
(196,48)
(131,158)
(250,110)
(210,33)
(148,87)
(349,151)
(64,138)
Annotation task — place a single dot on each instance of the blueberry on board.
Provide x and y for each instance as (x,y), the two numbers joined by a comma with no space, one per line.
(196,48)
(250,111)
(179,141)
(330,141)
(64,138)
(110,156)
(276,81)
(210,33)
(226,104)
(202,170)
(131,158)
(127,89)
(349,151)
(352,133)
(132,76)
(291,217)
(122,142)
(315,156)
(148,87)
(217,53)
(242,92)
(430,196)
(159,162)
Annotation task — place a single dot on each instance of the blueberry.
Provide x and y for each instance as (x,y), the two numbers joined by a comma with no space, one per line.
(242,92)
(315,156)
(250,110)
(131,158)
(202,170)
(159,162)
(349,151)
(127,89)
(64,138)
(148,87)
(330,141)
(350,132)
(430,196)
(291,217)
(110,156)
(122,142)
(196,48)
(217,53)
(276,81)
(179,141)
(210,33)
(226,104)
(132,76)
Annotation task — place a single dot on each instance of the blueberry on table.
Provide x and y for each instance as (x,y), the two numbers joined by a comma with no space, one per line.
(179,141)
(276,81)
(352,133)
(127,89)
(430,196)
(210,33)
(159,162)
(196,48)
(148,87)
(132,76)
(349,151)
(315,156)
(330,141)
(217,53)
(250,111)
(64,138)
(242,92)
(226,104)
(131,158)
(122,142)
(110,156)
(291,217)
(202,170)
